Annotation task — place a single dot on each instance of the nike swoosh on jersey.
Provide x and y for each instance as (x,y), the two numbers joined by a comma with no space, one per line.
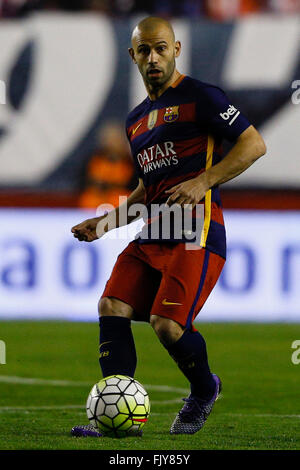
(165,302)
(136,128)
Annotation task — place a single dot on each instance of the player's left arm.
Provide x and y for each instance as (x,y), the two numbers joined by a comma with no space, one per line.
(248,148)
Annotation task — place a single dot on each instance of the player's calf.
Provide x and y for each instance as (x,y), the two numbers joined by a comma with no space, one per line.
(188,349)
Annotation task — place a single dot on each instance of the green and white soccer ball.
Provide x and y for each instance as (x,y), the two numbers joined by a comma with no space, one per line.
(118,406)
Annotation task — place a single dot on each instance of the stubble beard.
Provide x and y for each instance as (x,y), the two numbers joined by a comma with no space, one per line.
(157,84)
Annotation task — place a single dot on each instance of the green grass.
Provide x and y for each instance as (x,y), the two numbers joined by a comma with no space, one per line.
(259,408)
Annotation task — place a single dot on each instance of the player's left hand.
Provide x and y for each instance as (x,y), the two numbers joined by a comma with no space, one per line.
(188,192)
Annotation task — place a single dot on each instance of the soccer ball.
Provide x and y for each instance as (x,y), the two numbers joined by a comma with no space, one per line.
(118,406)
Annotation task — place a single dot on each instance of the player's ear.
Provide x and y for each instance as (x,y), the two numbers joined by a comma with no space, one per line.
(177,48)
(131,53)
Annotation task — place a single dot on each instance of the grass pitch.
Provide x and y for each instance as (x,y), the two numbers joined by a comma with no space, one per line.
(51,367)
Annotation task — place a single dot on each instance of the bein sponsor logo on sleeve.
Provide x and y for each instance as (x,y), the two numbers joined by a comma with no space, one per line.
(232,113)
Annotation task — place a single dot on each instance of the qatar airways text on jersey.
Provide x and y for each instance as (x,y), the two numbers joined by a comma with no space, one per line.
(157,156)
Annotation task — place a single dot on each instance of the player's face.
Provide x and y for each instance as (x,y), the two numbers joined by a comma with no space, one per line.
(155,53)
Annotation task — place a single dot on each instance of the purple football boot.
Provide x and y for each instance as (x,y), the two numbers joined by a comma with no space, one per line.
(85,430)
(89,430)
(191,418)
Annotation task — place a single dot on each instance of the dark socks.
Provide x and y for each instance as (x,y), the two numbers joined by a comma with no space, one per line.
(189,352)
(117,353)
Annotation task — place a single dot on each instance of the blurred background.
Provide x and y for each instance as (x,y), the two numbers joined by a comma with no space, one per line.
(67,84)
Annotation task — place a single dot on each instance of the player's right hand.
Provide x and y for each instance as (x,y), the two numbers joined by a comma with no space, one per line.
(87,231)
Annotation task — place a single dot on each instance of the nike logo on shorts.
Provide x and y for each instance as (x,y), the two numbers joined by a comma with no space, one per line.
(165,302)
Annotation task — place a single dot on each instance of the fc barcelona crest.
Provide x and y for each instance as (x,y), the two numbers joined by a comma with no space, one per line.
(152,119)
(171,114)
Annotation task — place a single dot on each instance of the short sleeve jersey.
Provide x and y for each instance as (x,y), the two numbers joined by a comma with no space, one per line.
(178,136)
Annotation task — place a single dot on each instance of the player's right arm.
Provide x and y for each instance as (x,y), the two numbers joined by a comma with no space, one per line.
(91,229)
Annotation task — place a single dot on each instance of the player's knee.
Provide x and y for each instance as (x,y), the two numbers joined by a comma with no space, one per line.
(108,306)
(166,329)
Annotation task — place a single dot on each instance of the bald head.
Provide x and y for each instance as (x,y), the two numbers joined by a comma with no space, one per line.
(154,50)
(152,25)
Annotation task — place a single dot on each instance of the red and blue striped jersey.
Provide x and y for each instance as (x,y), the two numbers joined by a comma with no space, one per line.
(179,135)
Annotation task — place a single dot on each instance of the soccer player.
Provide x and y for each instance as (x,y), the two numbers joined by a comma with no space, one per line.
(175,136)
